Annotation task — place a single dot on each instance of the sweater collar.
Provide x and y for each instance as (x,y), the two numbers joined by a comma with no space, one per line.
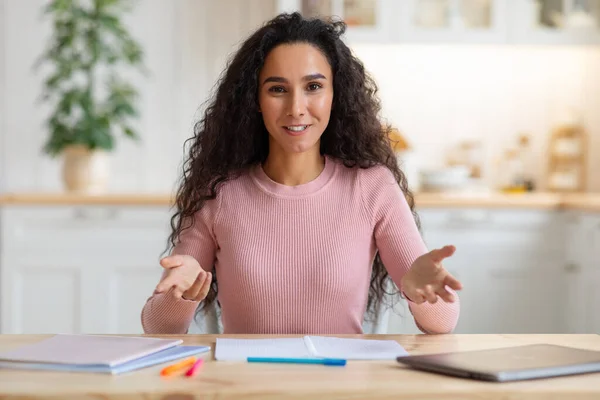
(270,186)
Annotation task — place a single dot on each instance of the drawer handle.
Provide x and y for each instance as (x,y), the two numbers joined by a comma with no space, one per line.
(469,218)
(572,267)
(95,214)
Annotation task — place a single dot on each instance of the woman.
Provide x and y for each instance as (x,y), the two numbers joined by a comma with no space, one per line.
(291,196)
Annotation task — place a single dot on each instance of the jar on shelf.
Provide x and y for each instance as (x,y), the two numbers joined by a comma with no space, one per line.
(567,156)
(512,171)
(525,154)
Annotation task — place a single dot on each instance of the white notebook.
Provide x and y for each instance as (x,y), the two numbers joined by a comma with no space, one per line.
(108,351)
(308,347)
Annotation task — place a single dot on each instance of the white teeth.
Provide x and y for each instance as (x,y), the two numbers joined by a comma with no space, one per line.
(297,128)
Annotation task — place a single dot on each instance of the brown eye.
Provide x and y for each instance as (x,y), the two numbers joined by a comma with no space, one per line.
(314,86)
(276,89)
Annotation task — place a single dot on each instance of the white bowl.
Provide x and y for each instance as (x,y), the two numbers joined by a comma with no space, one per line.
(446,178)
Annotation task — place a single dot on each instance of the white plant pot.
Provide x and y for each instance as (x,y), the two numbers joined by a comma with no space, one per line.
(85,170)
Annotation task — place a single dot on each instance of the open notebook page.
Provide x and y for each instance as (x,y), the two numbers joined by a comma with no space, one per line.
(356,349)
(308,347)
(241,349)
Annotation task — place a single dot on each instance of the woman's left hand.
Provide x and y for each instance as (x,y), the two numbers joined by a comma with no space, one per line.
(427,279)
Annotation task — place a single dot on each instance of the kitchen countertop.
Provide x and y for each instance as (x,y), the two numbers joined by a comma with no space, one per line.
(535,200)
(63,198)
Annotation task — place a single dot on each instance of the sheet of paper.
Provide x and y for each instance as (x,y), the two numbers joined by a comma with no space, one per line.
(357,349)
(308,346)
(241,349)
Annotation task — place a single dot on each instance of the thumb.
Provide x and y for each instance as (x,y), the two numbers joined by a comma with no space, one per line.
(438,255)
(171,261)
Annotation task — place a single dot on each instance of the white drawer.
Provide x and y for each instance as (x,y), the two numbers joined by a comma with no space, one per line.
(83,232)
(490,218)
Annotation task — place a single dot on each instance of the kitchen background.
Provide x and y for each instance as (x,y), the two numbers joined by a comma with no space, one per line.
(436,93)
(481,74)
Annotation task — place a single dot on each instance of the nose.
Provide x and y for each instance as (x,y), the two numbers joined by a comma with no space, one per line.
(297,104)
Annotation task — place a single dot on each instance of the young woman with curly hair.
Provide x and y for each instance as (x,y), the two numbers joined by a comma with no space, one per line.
(292,197)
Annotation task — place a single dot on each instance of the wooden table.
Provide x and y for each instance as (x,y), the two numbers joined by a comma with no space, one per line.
(358,380)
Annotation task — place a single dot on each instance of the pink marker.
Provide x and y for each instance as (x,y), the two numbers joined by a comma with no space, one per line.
(192,371)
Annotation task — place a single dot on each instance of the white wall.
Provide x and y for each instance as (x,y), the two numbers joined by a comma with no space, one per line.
(436,95)
(2,96)
(186,43)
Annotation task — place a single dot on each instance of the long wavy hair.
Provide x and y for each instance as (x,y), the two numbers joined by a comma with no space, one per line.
(355,135)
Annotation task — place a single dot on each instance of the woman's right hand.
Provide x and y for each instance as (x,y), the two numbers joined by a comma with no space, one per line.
(187,278)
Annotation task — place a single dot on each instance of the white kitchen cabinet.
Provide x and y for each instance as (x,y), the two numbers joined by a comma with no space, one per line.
(510,264)
(78,269)
(88,269)
(413,21)
(453,21)
(584,276)
(578,243)
(555,22)
(582,280)
(521,22)
(367,20)
(593,289)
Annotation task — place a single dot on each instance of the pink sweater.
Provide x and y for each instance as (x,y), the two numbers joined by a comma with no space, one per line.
(297,259)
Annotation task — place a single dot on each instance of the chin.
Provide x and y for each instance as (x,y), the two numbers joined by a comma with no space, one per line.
(300,147)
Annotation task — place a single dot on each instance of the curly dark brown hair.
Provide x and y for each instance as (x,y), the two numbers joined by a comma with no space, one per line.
(355,135)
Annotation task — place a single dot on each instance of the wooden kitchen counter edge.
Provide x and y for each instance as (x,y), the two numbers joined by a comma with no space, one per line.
(541,200)
(359,379)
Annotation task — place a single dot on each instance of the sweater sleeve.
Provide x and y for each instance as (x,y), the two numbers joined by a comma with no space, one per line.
(165,314)
(399,244)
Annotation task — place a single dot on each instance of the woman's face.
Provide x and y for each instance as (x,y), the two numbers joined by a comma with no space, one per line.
(295,95)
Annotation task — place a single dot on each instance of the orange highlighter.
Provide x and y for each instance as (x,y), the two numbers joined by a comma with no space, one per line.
(192,371)
(171,369)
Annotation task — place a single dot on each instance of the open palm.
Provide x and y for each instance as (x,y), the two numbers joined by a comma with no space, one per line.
(427,279)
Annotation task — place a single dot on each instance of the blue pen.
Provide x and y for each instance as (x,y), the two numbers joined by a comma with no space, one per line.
(323,361)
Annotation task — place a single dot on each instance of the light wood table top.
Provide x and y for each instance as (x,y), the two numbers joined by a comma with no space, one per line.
(495,200)
(357,380)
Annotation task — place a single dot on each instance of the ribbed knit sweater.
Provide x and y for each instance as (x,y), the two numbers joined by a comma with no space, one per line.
(298,259)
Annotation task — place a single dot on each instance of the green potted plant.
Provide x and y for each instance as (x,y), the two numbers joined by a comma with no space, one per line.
(91,103)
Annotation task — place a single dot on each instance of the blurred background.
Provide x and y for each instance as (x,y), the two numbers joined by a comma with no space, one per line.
(495,105)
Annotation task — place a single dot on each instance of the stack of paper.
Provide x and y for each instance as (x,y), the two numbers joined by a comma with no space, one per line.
(95,353)
(308,347)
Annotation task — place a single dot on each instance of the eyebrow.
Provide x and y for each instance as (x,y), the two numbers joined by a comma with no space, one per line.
(310,77)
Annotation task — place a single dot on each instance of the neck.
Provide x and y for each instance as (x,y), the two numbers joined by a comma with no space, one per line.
(294,169)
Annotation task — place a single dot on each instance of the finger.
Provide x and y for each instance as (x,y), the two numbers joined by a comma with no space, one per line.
(430,294)
(445,295)
(166,283)
(438,255)
(193,291)
(205,288)
(419,297)
(452,282)
(177,292)
(171,261)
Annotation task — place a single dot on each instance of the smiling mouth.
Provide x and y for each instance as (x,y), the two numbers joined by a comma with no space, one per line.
(296,128)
